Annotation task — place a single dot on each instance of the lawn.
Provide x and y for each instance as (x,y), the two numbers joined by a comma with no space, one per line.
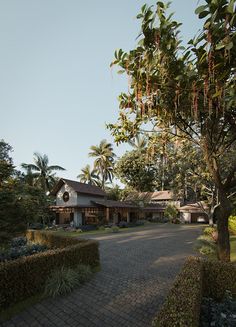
(97,231)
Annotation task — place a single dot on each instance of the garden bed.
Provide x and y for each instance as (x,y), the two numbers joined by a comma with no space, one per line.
(26,276)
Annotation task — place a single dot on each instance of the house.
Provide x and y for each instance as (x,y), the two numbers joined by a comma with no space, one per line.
(85,204)
(194,213)
(153,204)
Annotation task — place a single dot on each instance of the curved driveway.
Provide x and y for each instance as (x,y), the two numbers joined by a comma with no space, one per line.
(138,268)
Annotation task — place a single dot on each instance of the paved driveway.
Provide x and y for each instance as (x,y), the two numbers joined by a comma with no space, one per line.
(138,269)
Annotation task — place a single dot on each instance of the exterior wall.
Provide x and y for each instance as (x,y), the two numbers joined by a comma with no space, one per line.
(77,218)
(86,199)
(72,199)
(186,217)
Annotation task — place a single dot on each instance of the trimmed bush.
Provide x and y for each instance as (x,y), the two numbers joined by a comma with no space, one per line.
(198,278)
(51,239)
(26,276)
(183,303)
(218,277)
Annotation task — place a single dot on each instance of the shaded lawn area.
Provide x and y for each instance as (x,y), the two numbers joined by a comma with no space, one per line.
(233,248)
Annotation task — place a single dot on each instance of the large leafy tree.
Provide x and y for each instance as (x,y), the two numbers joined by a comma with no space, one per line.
(189,90)
(104,161)
(136,171)
(88,176)
(40,172)
(6,163)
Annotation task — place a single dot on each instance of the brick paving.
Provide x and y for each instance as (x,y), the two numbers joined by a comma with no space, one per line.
(137,270)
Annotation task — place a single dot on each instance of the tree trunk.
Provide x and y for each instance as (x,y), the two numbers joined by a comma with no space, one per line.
(222,215)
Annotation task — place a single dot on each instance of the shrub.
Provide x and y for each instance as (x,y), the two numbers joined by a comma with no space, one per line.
(61,281)
(209,231)
(183,303)
(115,229)
(26,276)
(20,251)
(232,224)
(171,212)
(123,224)
(206,246)
(18,241)
(219,314)
(84,273)
(218,277)
(51,239)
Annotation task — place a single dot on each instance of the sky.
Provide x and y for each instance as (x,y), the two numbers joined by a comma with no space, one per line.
(57,90)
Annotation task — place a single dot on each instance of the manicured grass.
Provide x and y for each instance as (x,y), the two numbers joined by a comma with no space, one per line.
(97,231)
(233,248)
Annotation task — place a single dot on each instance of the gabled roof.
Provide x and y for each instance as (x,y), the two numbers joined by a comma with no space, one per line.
(78,187)
(194,207)
(115,204)
(151,196)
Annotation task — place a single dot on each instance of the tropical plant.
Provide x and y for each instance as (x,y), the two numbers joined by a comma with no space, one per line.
(43,174)
(139,143)
(188,90)
(61,281)
(104,161)
(88,176)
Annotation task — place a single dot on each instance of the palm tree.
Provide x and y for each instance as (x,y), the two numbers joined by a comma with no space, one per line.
(42,173)
(88,176)
(139,143)
(104,160)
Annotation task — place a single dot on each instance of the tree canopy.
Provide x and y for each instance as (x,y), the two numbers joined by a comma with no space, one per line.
(188,90)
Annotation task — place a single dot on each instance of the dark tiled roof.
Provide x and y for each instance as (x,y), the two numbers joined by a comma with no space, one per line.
(194,207)
(151,196)
(116,204)
(79,187)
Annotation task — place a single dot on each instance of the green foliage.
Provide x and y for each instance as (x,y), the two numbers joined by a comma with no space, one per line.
(206,246)
(40,173)
(135,171)
(84,273)
(51,239)
(88,176)
(115,229)
(61,281)
(218,314)
(218,277)
(17,251)
(189,92)
(182,305)
(12,214)
(232,224)
(26,276)
(197,278)
(209,231)
(171,212)
(6,164)
(104,162)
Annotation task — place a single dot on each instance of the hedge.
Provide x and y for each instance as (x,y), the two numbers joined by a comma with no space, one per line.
(198,278)
(218,277)
(183,303)
(26,276)
(51,239)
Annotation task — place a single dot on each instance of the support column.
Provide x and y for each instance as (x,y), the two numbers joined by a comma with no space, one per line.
(128,217)
(107,215)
